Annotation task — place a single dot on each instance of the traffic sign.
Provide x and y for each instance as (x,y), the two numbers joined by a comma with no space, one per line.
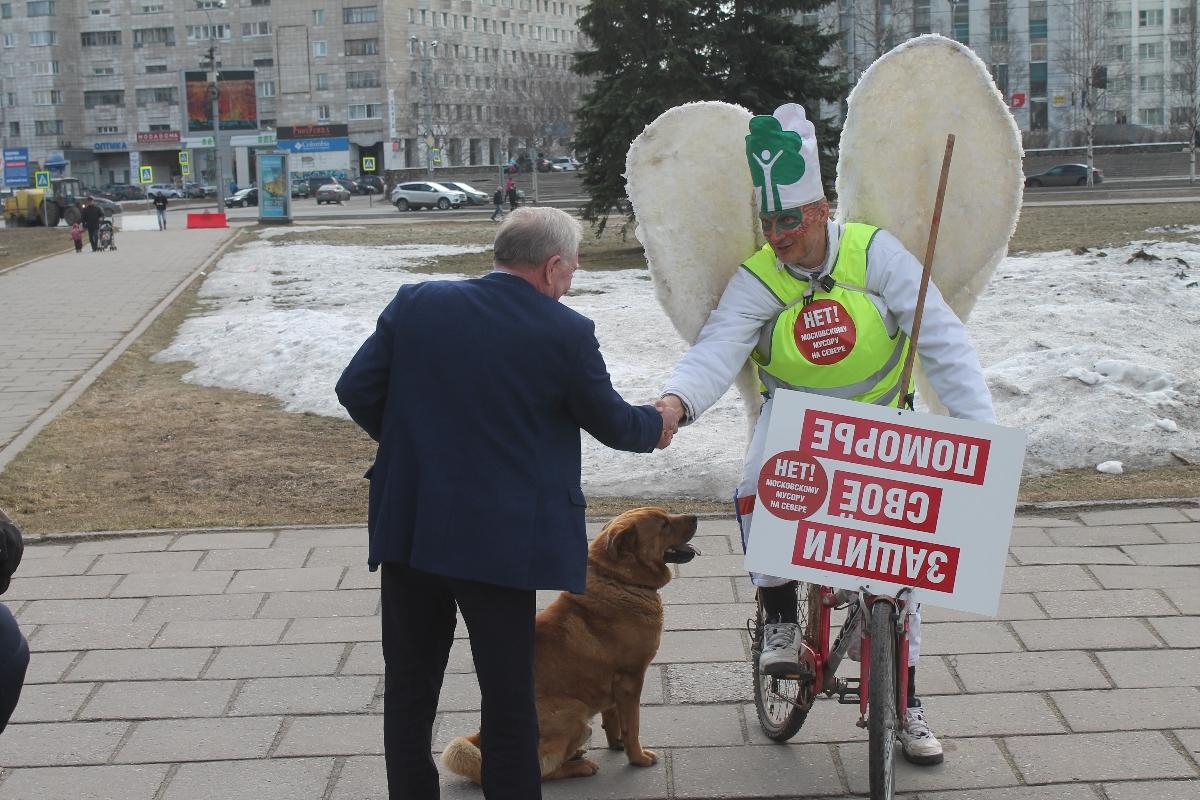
(184,158)
(368,164)
(41,179)
(146,174)
(436,155)
(185,170)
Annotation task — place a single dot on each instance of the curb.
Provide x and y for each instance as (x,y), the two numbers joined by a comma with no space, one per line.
(64,401)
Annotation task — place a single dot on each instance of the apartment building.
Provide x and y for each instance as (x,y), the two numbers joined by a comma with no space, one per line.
(96,87)
(1133,56)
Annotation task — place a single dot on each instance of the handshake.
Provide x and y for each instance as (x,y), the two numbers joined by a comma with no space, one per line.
(671,409)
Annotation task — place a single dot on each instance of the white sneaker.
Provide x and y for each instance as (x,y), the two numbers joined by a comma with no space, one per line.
(781,649)
(920,745)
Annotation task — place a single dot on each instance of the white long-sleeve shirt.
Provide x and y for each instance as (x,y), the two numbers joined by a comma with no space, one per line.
(893,280)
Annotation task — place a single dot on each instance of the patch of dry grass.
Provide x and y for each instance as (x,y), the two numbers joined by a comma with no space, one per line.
(18,245)
(142,449)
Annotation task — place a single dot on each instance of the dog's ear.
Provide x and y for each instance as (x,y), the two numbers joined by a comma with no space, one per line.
(622,540)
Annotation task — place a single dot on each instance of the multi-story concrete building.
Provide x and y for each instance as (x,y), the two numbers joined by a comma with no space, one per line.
(1134,57)
(98,83)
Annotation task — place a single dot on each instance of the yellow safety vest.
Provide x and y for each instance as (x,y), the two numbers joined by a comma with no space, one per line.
(833,342)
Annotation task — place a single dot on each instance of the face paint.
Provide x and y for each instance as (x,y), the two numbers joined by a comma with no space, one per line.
(793,221)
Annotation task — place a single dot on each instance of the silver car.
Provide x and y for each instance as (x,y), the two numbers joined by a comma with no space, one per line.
(332,193)
(426,194)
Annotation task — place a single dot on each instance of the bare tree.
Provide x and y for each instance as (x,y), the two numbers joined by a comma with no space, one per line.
(1082,60)
(880,25)
(1185,82)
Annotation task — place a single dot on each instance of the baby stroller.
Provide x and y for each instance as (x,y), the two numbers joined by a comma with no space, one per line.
(105,238)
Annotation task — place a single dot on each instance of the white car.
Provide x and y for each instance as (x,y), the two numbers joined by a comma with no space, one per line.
(164,189)
(426,194)
(564,164)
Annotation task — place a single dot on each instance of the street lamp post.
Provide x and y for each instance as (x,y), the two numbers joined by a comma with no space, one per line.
(214,91)
(426,97)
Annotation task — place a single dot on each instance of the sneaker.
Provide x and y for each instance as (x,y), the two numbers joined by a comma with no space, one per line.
(920,745)
(781,649)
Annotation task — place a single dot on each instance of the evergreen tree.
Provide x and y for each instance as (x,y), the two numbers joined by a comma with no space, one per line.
(652,55)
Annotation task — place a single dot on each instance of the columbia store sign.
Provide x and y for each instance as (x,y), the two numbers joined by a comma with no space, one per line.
(859,496)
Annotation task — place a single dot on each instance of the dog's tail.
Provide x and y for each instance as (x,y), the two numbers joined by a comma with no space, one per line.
(462,756)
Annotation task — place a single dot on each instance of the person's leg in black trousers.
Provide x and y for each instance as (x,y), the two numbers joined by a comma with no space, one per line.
(500,622)
(418,630)
(14,660)
(92,233)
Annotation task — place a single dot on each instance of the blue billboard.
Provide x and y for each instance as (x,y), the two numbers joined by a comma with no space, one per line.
(274,197)
(16,166)
(329,145)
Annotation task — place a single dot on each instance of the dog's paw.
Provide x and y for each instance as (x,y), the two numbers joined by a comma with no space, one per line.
(616,744)
(647,758)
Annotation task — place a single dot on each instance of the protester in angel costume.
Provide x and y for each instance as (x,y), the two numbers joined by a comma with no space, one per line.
(825,308)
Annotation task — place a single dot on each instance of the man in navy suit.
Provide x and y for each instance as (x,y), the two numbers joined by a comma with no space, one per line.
(476,391)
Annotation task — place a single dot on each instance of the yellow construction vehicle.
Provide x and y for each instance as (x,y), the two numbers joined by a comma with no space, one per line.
(34,207)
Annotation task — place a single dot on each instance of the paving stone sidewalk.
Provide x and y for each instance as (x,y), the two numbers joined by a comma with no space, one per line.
(246,665)
(62,315)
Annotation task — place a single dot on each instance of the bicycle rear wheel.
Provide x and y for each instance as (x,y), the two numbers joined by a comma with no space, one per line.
(882,722)
(783,703)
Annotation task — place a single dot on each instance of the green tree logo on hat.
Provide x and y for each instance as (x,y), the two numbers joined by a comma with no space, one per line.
(775,159)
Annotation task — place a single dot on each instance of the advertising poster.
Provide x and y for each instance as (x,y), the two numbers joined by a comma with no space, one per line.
(273,194)
(854,495)
(239,105)
(16,166)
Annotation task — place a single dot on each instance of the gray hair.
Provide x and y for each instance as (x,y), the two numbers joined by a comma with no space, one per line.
(530,237)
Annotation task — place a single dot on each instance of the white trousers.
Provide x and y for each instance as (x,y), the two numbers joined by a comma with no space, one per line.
(748,487)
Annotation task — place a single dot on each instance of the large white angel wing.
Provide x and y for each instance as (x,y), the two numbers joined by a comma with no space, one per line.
(891,154)
(691,191)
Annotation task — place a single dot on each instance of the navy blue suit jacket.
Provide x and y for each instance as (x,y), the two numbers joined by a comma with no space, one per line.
(476,391)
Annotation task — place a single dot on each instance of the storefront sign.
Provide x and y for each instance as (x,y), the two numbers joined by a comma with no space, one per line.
(314,145)
(157,137)
(110,147)
(312,131)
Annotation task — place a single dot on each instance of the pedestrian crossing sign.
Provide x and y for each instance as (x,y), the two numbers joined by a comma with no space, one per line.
(41,179)
(184,158)
(185,170)
(368,164)
(146,174)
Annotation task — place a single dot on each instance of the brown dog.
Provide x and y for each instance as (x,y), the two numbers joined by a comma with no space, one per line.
(592,650)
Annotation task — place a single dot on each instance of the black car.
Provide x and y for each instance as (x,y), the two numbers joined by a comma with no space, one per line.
(368,184)
(242,198)
(1065,175)
(123,191)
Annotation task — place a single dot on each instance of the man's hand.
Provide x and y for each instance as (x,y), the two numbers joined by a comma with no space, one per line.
(670,417)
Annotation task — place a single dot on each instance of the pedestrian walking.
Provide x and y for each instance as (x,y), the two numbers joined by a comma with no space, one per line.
(498,201)
(478,504)
(511,193)
(14,649)
(160,209)
(90,218)
(77,236)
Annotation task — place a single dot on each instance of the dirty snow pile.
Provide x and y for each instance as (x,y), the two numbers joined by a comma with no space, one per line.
(1096,356)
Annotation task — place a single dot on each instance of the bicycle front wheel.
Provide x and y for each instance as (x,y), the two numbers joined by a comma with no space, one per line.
(882,722)
(783,703)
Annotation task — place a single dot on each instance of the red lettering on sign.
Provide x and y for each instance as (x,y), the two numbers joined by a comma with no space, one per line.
(886,501)
(903,448)
(875,556)
(824,332)
(792,485)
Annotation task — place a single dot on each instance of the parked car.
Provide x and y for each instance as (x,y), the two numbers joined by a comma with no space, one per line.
(166,190)
(199,190)
(474,196)
(300,189)
(123,191)
(332,193)
(106,206)
(1065,175)
(368,184)
(426,194)
(316,182)
(242,198)
(563,164)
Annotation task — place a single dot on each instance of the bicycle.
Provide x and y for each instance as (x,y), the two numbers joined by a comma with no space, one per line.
(881,622)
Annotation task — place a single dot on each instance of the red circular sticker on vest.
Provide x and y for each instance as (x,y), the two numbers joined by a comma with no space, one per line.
(824,332)
(792,485)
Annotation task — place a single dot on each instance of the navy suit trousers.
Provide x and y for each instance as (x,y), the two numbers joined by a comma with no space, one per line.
(418,630)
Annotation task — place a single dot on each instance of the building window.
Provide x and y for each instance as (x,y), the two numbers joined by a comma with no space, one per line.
(365,111)
(100,38)
(42,8)
(45,68)
(157,95)
(960,18)
(354,15)
(322,113)
(260,2)
(54,127)
(1179,48)
(1038,117)
(266,88)
(322,81)
(103,69)
(1180,83)
(1000,76)
(47,97)
(1149,51)
(998,21)
(14,129)
(10,40)
(1150,116)
(252,29)
(44,38)
(1151,18)
(318,16)
(5,10)
(1150,83)
(211,4)
(1181,117)
(1037,21)
(204,33)
(320,49)
(362,80)
(107,129)
(154,36)
(103,97)
(1037,79)
(153,8)
(1119,52)
(154,69)
(1118,19)
(362,47)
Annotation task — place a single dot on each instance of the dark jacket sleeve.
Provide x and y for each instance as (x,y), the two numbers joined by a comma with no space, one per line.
(363,387)
(602,412)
